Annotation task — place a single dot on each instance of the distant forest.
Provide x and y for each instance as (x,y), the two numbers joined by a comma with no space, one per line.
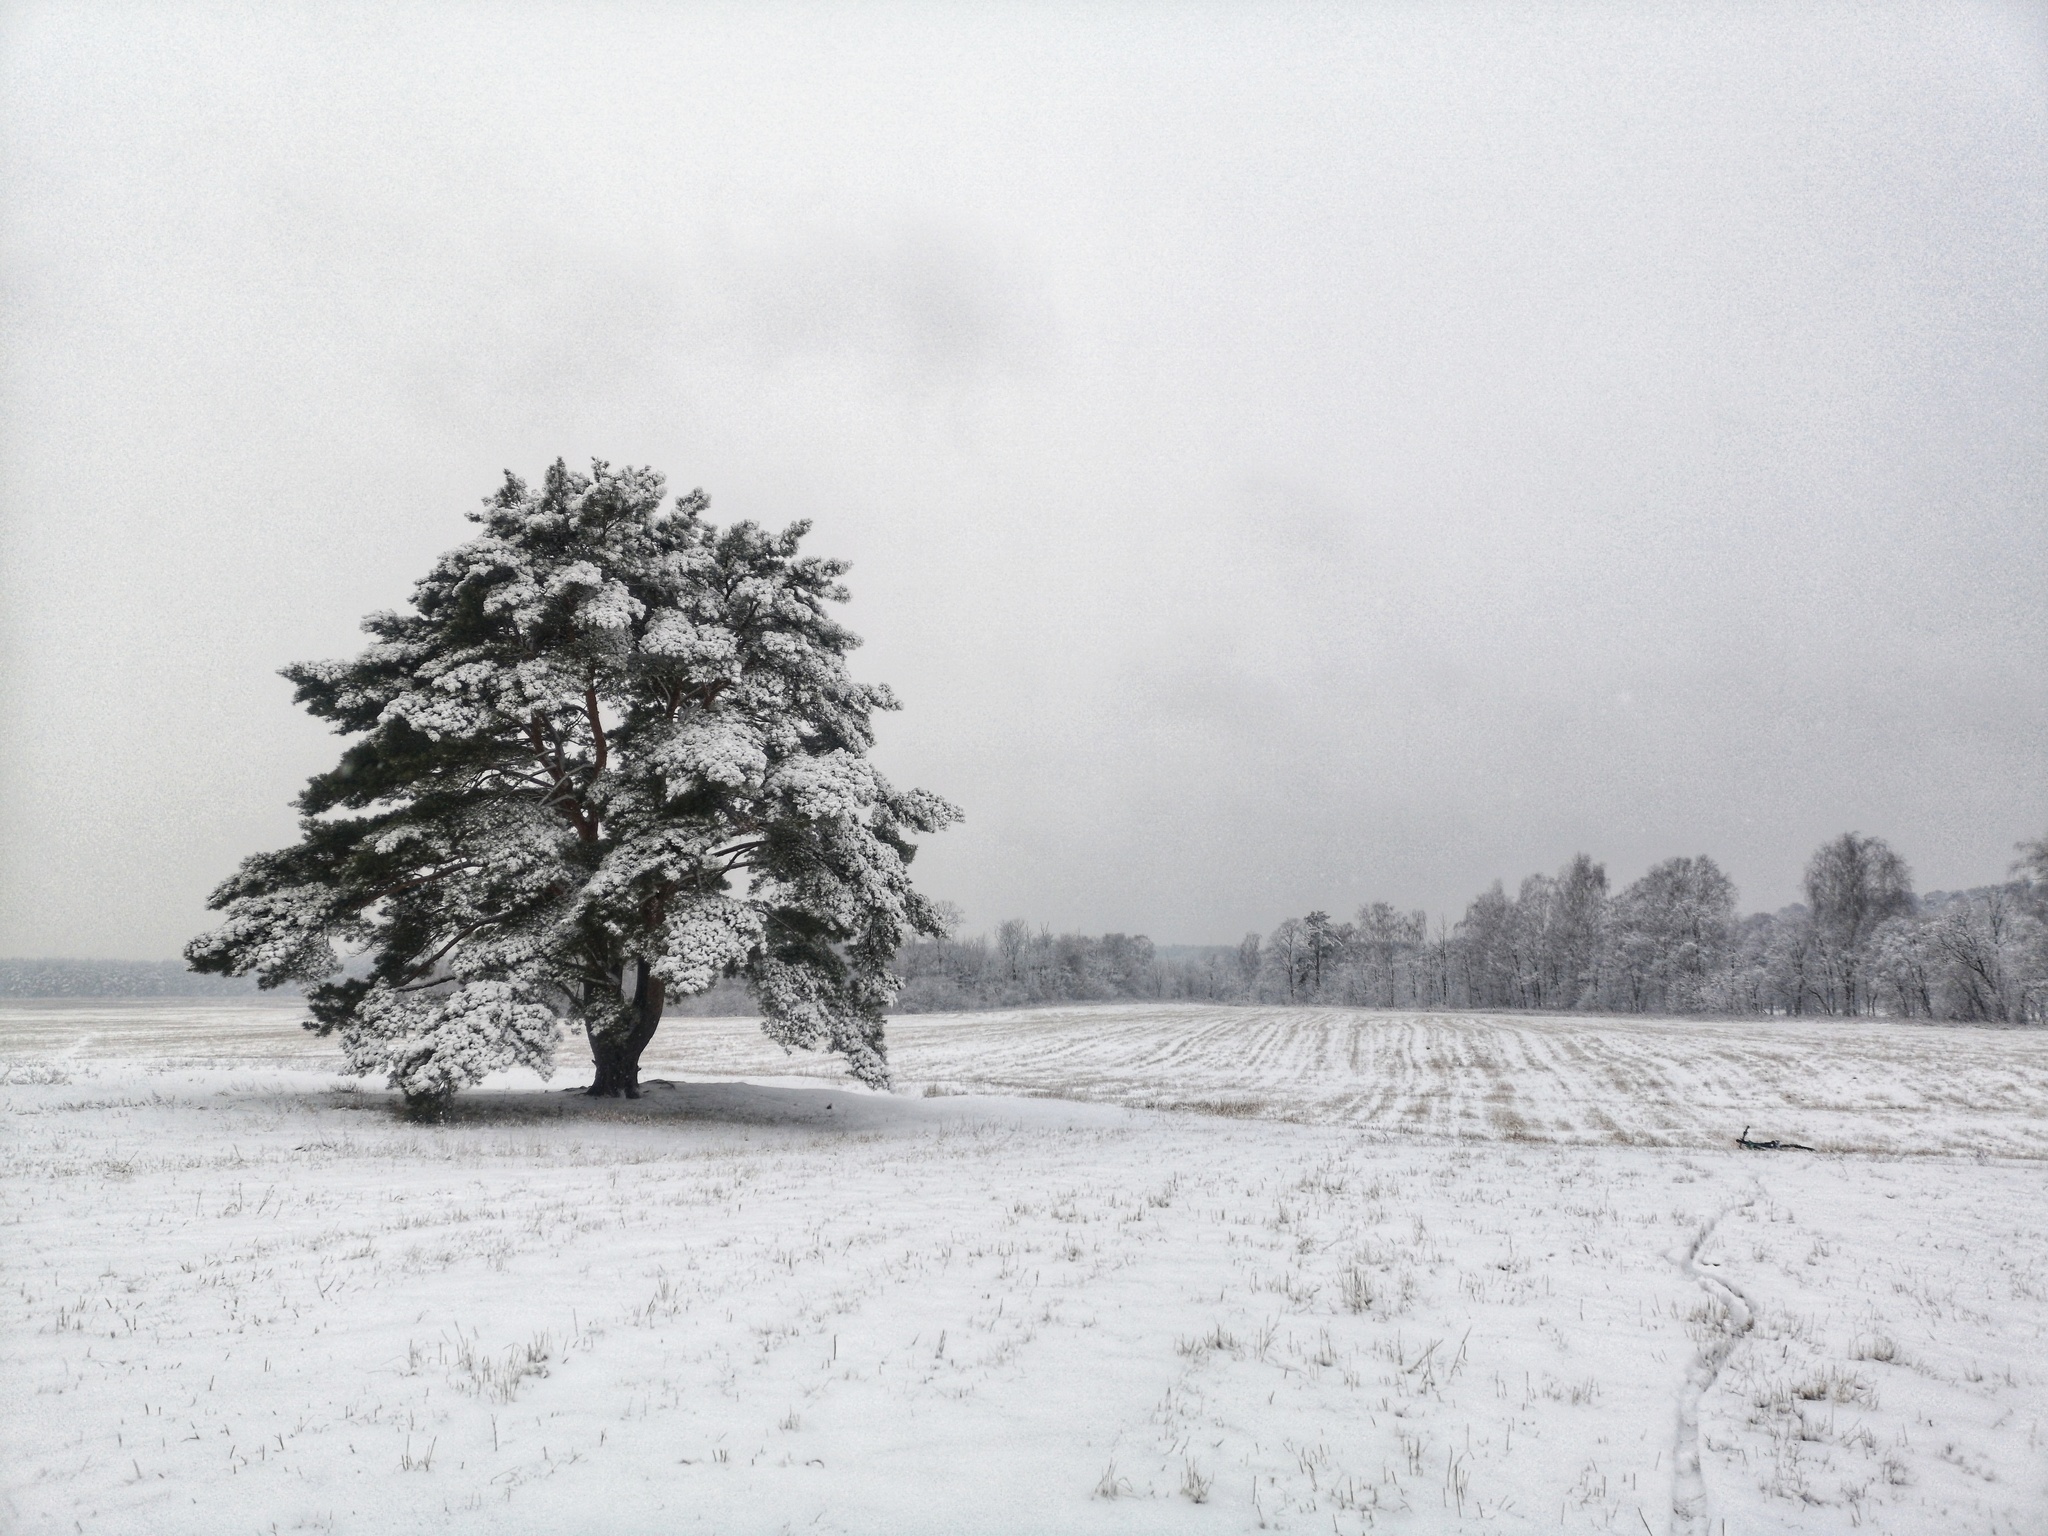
(115,978)
(1672,942)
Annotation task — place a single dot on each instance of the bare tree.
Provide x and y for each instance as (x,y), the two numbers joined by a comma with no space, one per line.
(1250,960)
(1985,949)
(1852,885)
(1013,938)
(1579,919)
(1530,919)
(1286,954)
(1485,949)
(1388,945)
(2031,868)
(1325,942)
(1672,934)
(1905,968)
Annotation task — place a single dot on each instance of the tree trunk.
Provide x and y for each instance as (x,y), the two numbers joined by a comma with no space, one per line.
(617,1055)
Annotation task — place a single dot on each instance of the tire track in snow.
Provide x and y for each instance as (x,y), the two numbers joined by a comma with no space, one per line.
(1689,1503)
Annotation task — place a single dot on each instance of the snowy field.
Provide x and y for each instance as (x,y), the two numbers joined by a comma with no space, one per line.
(1143,1268)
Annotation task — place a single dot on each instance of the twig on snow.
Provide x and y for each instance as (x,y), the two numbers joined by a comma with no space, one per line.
(1769,1146)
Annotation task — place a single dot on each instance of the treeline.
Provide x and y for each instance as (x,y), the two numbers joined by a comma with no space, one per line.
(115,978)
(1020,966)
(1672,942)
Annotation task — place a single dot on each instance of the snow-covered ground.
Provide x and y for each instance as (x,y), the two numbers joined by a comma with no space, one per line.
(1422,1273)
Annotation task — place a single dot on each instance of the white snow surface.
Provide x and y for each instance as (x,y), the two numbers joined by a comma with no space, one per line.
(1147,1268)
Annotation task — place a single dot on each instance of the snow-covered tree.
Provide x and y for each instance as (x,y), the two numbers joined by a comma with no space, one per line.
(1670,937)
(1323,942)
(612,753)
(1853,884)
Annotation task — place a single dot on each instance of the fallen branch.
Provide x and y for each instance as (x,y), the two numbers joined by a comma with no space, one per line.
(1769,1146)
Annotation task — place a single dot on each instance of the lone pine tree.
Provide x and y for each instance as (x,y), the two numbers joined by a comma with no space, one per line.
(612,754)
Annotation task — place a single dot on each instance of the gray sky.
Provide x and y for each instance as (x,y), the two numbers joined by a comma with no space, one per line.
(1291,457)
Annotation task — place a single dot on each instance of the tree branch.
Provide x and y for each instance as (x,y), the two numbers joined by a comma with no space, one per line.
(427,965)
(422,880)
(602,748)
(564,799)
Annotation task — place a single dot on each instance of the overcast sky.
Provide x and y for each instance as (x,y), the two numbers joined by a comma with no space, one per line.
(1290,457)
